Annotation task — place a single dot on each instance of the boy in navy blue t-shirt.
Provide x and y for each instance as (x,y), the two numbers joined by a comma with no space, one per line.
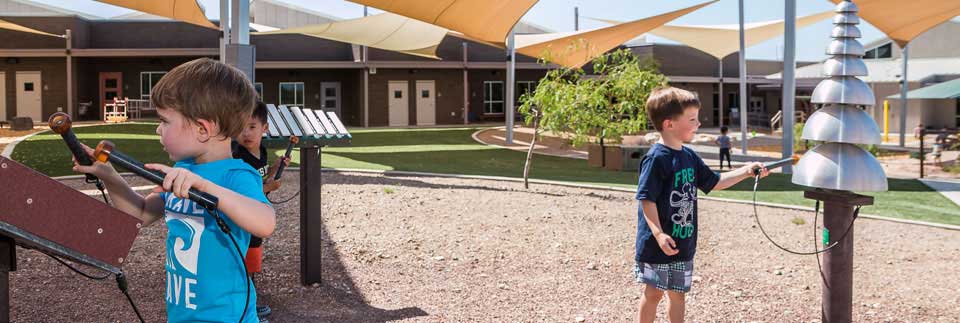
(670,175)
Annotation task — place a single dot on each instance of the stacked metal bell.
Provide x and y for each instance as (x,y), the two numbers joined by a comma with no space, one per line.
(841,123)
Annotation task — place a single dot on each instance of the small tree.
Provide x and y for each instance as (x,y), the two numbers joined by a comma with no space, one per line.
(606,105)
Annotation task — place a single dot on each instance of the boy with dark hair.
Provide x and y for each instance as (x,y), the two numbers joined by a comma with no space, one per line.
(201,105)
(670,175)
(248,147)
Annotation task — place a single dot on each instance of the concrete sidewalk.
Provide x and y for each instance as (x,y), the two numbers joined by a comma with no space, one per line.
(950,188)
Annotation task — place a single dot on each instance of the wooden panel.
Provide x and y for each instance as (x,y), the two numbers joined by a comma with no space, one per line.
(45,214)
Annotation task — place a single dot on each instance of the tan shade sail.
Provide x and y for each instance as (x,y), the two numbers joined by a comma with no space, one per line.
(183,10)
(574,49)
(12,26)
(722,40)
(903,20)
(384,31)
(485,20)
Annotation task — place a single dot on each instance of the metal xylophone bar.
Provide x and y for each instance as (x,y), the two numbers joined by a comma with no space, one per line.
(313,127)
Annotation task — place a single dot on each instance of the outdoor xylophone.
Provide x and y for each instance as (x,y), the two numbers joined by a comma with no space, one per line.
(315,129)
(41,213)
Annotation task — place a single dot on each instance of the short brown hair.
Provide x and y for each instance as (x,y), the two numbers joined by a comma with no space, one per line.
(667,103)
(210,90)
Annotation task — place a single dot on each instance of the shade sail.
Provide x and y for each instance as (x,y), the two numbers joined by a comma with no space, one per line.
(183,10)
(945,90)
(12,26)
(574,49)
(722,40)
(384,31)
(902,20)
(485,20)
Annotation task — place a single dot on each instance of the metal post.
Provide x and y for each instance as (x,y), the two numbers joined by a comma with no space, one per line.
(311,218)
(8,263)
(922,157)
(720,96)
(903,98)
(743,87)
(69,38)
(576,18)
(511,69)
(837,292)
(366,82)
(224,29)
(789,83)
(240,22)
(466,86)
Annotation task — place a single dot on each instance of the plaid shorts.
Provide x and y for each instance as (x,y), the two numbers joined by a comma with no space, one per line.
(675,276)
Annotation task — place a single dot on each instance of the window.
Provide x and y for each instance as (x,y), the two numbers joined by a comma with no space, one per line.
(259,87)
(147,81)
(398,94)
(291,93)
(28,87)
(882,51)
(425,94)
(524,87)
(492,97)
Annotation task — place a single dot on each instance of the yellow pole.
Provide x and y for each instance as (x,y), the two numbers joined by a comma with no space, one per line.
(886,120)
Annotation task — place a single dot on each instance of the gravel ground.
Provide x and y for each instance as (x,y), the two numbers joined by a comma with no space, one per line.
(424,249)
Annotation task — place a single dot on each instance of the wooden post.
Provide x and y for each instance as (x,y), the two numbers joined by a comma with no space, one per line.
(311,222)
(922,157)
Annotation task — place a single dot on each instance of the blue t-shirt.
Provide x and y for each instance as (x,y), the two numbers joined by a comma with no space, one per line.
(724,141)
(205,277)
(670,178)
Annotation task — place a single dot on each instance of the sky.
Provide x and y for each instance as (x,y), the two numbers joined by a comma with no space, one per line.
(557,15)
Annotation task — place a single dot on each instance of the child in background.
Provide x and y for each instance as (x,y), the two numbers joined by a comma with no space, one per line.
(249,148)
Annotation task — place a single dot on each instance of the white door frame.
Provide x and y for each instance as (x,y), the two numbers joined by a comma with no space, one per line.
(30,109)
(426,107)
(398,109)
(323,97)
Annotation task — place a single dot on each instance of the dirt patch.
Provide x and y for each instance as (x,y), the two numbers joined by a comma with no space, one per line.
(423,249)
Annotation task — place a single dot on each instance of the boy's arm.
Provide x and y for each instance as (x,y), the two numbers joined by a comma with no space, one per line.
(733,177)
(124,198)
(650,214)
(251,215)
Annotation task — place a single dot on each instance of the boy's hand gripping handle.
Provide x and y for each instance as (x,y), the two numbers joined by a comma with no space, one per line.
(60,123)
(286,155)
(105,152)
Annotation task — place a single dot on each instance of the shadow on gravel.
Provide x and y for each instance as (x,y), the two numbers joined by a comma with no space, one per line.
(402,181)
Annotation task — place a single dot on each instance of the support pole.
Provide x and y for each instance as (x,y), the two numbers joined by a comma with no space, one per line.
(903,98)
(576,18)
(789,83)
(69,38)
(366,82)
(720,96)
(466,86)
(837,292)
(511,70)
(8,263)
(311,218)
(743,87)
(224,29)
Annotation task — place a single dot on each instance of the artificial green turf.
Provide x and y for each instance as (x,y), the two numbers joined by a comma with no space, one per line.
(453,151)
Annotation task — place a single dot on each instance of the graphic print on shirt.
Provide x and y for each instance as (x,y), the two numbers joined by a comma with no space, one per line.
(682,201)
(185,224)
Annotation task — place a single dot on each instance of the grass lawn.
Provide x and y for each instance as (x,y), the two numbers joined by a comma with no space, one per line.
(452,150)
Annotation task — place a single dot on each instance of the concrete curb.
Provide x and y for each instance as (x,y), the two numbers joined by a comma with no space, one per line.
(8,150)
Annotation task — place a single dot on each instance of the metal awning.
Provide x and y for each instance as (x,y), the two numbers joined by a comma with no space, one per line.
(945,90)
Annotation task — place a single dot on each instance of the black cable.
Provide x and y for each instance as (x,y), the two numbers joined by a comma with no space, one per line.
(103,192)
(226,229)
(78,271)
(122,284)
(284,201)
(836,243)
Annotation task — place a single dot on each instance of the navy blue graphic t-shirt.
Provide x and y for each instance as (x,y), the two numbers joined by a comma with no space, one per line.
(670,178)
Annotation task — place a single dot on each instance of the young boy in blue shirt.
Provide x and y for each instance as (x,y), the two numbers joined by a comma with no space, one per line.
(670,175)
(202,104)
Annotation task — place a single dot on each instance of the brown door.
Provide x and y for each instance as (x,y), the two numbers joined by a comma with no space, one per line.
(111,86)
